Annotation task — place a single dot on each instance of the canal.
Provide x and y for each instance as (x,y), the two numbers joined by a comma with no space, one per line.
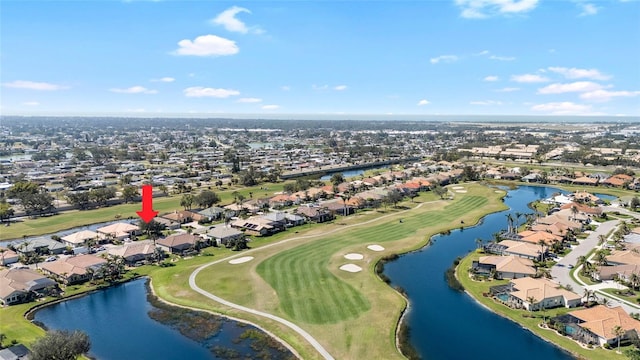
(446,324)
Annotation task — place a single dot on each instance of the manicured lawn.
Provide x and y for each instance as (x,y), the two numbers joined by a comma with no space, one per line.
(631,298)
(354,315)
(360,319)
(476,289)
(75,218)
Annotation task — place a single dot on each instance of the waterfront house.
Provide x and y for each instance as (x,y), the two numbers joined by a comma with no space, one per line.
(119,231)
(135,253)
(504,267)
(534,237)
(596,325)
(179,243)
(80,238)
(75,269)
(8,256)
(41,245)
(22,285)
(534,294)
(516,248)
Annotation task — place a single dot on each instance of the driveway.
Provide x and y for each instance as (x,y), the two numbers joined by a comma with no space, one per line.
(561,272)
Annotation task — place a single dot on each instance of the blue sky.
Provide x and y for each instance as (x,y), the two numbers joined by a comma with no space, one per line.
(158,58)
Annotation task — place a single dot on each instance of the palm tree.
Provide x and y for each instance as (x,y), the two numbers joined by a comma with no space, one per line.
(618,331)
(601,239)
(574,211)
(588,294)
(517,220)
(600,258)
(544,272)
(634,279)
(478,243)
(542,250)
(509,223)
(531,300)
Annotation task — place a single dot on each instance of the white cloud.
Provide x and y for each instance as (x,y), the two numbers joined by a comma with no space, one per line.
(30,103)
(578,86)
(563,108)
(199,91)
(270,107)
(483,52)
(423,102)
(164,79)
(491,78)
(134,90)
(588,9)
(228,19)
(285,88)
(249,100)
(33,85)
(605,95)
(340,87)
(138,110)
(508,89)
(502,58)
(486,102)
(444,59)
(575,73)
(479,9)
(529,78)
(319,87)
(207,45)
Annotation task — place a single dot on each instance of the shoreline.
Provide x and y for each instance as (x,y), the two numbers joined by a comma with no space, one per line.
(29,314)
(152,291)
(573,354)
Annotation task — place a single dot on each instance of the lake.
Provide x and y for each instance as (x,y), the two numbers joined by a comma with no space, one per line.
(117,321)
(446,324)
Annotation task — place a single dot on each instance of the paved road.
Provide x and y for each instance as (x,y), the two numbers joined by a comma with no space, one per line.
(323,352)
(561,272)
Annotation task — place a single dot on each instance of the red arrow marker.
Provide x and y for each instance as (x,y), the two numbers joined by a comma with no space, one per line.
(147,214)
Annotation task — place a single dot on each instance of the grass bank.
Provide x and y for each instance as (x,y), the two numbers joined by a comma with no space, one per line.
(353,315)
(476,289)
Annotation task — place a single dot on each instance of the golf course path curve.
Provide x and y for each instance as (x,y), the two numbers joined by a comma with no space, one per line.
(316,345)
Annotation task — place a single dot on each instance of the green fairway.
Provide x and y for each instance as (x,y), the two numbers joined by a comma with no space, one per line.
(310,293)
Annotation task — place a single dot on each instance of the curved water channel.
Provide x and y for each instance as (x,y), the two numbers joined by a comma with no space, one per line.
(445,324)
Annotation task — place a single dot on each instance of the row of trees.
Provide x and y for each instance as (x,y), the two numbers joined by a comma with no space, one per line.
(99,196)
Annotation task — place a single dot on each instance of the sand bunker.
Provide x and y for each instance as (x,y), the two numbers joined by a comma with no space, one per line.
(351,268)
(498,191)
(457,187)
(375,247)
(461,191)
(241,260)
(354,256)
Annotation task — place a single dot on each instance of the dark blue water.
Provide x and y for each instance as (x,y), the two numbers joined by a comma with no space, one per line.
(351,173)
(446,324)
(116,320)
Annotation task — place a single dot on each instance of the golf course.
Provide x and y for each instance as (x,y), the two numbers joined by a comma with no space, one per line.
(352,314)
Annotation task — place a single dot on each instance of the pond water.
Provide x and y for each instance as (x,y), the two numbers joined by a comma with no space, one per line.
(446,324)
(351,173)
(117,321)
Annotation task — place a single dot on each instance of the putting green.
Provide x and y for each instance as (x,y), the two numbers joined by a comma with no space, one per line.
(309,292)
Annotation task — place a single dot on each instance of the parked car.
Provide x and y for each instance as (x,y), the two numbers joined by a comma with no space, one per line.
(51,258)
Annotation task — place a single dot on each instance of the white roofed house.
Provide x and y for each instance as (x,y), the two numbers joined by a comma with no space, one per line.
(535,294)
(119,231)
(80,238)
(505,267)
(75,269)
(22,285)
(135,253)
